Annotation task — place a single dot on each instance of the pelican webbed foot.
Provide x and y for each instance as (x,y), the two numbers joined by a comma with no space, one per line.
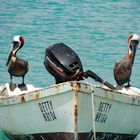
(22,87)
(128,85)
(12,86)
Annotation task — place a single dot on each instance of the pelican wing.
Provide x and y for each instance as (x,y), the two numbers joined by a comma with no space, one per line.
(122,72)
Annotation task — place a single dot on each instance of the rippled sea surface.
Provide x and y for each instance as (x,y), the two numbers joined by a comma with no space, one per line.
(96,30)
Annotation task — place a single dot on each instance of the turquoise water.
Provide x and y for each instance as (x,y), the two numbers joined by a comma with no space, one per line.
(96,30)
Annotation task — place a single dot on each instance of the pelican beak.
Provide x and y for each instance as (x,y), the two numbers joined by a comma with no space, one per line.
(133,44)
(15,46)
(14,49)
(8,61)
(133,47)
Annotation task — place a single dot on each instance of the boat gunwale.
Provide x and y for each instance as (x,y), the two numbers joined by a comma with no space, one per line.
(75,86)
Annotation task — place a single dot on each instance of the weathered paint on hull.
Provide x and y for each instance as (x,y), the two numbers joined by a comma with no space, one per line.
(70,136)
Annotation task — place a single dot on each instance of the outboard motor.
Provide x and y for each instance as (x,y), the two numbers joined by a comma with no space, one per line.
(63,63)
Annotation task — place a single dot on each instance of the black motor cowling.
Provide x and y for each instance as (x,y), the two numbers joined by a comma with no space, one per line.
(63,63)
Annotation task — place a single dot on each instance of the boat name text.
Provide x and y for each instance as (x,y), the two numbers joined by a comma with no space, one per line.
(47,111)
(103,111)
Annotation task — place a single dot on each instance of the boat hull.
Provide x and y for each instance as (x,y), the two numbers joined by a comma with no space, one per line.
(70,111)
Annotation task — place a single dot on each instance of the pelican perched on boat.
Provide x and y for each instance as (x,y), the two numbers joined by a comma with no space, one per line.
(123,68)
(17,67)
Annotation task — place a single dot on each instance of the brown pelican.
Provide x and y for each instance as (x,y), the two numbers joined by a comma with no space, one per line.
(123,68)
(17,67)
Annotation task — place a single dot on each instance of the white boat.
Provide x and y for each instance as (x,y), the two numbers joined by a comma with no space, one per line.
(70,111)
